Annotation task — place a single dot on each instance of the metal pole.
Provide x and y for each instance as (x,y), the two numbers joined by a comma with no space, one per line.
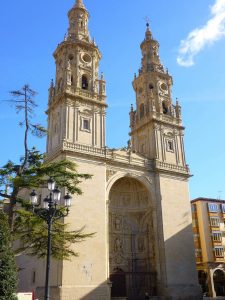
(48,262)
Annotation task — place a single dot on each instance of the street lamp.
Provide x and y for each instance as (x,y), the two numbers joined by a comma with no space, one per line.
(51,211)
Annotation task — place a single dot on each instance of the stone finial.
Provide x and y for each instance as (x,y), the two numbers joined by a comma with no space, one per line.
(102,76)
(148,34)
(178,109)
(79,3)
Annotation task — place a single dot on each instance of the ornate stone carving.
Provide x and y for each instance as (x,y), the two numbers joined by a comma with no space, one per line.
(109,174)
(118,259)
(175,132)
(87,112)
(156,126)
(118,245)
(169,133)
(118,223)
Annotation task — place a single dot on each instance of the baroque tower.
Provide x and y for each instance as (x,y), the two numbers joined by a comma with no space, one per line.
(156,125)
(137,201)
(76,110)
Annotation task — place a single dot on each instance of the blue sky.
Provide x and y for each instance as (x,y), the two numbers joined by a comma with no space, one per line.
(192,45)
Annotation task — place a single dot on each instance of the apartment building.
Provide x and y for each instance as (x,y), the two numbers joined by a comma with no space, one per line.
(208,224)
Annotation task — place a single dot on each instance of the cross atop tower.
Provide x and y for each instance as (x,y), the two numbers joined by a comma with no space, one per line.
(147,20)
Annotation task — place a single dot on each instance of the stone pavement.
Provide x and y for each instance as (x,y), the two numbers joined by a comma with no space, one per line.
(219,298)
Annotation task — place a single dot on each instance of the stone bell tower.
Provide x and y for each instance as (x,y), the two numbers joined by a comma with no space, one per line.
(156,125)
(76,112)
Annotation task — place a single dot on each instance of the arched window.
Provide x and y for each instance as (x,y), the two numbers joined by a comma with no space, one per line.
(219,282)
(71,57)
(151,86)
(165,108)
(84,82)
(142,110)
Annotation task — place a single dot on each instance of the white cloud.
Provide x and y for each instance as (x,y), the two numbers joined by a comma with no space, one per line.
(198,38)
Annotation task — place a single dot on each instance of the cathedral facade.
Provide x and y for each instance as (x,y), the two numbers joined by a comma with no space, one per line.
(137,201)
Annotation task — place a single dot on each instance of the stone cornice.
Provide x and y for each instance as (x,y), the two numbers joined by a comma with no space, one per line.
(79,95)
(171,168)
(158,118)
(77,43)
(118,158)
(108,155)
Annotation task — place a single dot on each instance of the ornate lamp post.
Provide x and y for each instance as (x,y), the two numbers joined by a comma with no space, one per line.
(51,212)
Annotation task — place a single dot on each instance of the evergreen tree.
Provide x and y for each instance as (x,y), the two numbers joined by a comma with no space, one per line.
(8,269)
(33,172)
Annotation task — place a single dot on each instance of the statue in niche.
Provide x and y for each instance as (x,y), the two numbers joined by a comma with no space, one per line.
(117,223)
(126,225)
(118,245)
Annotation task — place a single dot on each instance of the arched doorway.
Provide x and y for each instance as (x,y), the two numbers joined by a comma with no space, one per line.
(219,282)
(131,240)
(118,278)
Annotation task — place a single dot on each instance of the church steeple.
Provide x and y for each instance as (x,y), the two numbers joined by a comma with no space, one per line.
(153,83)
(156,125)
(77,101)
(78,22)
(150,52)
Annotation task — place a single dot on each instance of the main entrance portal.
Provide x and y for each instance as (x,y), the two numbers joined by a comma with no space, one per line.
(131,240)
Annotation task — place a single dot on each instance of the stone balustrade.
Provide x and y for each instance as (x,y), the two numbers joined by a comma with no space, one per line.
(123,156)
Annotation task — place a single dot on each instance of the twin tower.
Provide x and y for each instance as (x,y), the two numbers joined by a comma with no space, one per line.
(137,201)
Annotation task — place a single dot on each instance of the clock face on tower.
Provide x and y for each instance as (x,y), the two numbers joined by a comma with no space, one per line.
(163,88)
(86,58)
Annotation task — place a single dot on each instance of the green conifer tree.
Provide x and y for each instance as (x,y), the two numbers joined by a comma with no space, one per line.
(8,268)
(30,173)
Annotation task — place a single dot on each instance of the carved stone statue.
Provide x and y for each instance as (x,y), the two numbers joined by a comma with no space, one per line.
(117,223)
(118,245)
